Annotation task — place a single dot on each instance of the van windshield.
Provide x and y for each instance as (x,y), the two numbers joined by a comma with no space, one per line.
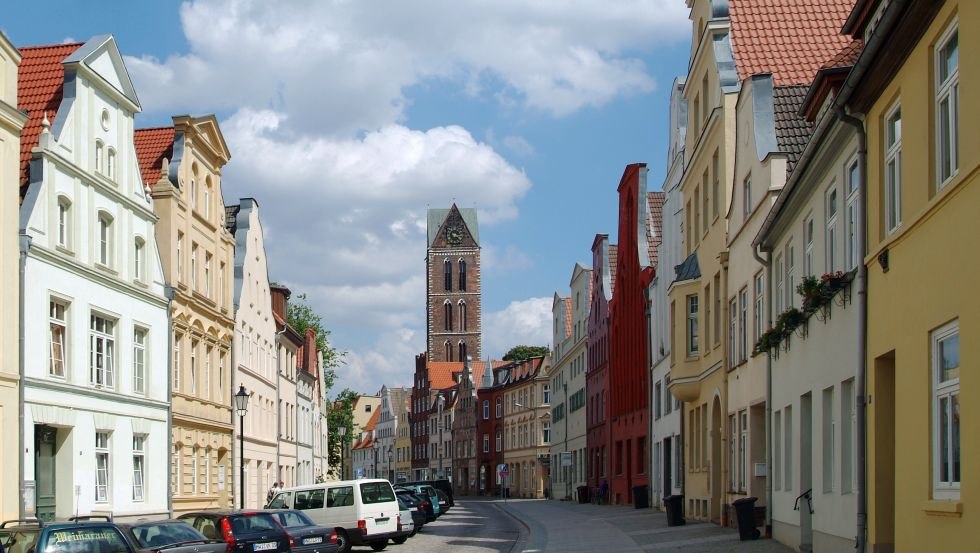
(376,492)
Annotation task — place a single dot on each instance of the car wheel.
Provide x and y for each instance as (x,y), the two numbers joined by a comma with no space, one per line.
(343,542)
(379,545)
(399,540)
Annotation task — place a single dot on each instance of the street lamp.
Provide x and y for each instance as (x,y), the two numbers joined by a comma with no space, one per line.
(241,405)
(391,469)
(341,431)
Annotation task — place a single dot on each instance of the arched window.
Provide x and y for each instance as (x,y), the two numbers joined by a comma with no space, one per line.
(449,351)
(105,239)
(64,222)
(462,315)
(111,164)
(447,309)
(139,259)
(207,197)
(99,155)
(462,275)
(462,350)
(448,274)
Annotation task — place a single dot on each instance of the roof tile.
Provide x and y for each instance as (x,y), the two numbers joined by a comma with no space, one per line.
(792,129)
(655,203)
(152,145)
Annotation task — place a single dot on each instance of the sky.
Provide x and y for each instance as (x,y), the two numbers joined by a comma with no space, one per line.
(348,119)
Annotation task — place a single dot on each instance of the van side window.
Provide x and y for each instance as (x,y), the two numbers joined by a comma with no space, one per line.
(316,499)
(340,497)
(280,501)
(302,500)
(376,492)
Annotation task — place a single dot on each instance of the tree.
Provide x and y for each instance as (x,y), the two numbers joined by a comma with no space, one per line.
(301,316)
(522,352)
(340,415)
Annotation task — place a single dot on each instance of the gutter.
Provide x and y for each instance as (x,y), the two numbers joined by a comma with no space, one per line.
(25,246)
(170,292)
(767,263)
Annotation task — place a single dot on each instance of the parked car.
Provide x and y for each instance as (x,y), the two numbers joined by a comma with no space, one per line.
(444,503)
(414,505)
(439,484)
(406,525)
(30,535)
(429,493)
(306,536)
(424,504)
(363,512)
(243,531)
(173,536)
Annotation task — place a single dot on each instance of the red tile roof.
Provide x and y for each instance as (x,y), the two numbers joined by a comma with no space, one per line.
(655,203)
(40,88)
(441,373)
(847,56)
(372,423)
(152,145)
(613,253)
(568,316)
(789,38)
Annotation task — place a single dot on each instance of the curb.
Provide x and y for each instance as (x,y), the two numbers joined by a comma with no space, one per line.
(524,531)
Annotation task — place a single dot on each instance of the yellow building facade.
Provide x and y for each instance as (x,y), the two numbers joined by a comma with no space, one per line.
(11,124)
(923,234)
(527,426)
(197,252)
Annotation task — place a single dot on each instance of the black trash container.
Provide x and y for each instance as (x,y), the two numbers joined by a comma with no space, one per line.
(640,498)
(583,494)
(675,510)
(745,511)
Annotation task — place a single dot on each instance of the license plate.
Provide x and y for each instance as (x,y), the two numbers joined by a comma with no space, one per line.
(315,539)
(379,520)
(265,546)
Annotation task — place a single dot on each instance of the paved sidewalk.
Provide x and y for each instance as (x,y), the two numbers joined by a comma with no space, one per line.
(565,527)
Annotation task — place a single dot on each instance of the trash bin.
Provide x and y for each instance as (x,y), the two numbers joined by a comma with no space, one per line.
(583,494)
(745,511)
(640,497)
(675,510)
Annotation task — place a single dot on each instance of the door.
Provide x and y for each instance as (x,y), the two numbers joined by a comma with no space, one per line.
(45,442)
(806,473)
(667,468)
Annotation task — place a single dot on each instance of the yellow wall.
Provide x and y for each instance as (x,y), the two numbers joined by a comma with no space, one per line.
(931,281)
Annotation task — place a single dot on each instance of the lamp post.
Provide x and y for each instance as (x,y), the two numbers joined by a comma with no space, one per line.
(241,405)
(391,469)
(341,431)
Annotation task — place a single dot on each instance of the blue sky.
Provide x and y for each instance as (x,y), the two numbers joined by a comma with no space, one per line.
(347,119)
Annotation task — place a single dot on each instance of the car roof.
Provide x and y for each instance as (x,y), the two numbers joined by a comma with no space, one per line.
(151,522)
(213,513)
(333,483)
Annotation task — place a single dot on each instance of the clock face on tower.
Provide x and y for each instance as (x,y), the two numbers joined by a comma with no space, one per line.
(454,234)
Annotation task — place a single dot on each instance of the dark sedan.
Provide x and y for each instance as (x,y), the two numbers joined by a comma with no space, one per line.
(243,531)
(414,505)
(424,503)
(305,536)
(174,536)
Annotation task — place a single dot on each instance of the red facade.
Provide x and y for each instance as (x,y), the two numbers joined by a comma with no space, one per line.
(597,433)
(489,426)
(419,416)
(628,375)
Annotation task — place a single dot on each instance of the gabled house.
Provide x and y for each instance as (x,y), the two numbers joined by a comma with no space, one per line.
(597,372)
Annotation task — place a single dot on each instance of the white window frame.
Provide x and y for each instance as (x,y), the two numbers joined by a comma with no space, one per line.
(851,216)
(105,239)
(691,304)
(139,359)
(808,245)
(178,338)
(947,391)
(790,272)
(832,211)
(54,347)
(733,452)
(486,442)
(778,291)
(206,382)
(193,376)
(759,305)
(180,260)
(743,324)
(111,163)
(207,274)
(193,266)
(893,169)
(733,357)
(546,394)
(101,336)
(947,91)
(103,468)
(139,466)
(486,409)
(64,222)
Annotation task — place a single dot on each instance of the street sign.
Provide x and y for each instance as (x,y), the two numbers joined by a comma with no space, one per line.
(566,458)
(502,470)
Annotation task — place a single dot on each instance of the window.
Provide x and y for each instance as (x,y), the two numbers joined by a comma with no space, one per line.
(499,443)
(207,199)
(139,360)
(462,350)
(486,443)
(851,217)
(657,405)
(105,239)
(758,308)
(462,319)
(180,261)
(64,222)
(704,190)
(893,169)
(743,450)
(746,198)
(546,432)
(718,320)
(486,409)
(743,324)
(733,473)
(790,272)
(547,394)
(101,467)
(139,259)
(193,375)
(715,184)
(99,155)
(207,274)
(208,353)
(946,411)
(829,437)
(777,449)
(499,408)
(139,454)
(947,104)
(193,194)
(111,164)
(177,339)
(221,285)
(697,216)
(692,325)
(101,351)
(808,246)
(447,311)
(831,233)
(193,266)
(778,292)
(733,357)
(58,332)
(447,275)
(462,275)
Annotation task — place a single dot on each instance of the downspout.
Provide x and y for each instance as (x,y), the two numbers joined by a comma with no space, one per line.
(235,460)
(767,262)
(862,367)
(25,246)
(169,293)
(279,334)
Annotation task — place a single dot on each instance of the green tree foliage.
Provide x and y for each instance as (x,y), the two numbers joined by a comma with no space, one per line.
(300,315)
(340,415)
(522,352)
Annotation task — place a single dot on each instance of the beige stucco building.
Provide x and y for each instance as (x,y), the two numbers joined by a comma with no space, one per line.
(11,124)
(527,426)
(182,167)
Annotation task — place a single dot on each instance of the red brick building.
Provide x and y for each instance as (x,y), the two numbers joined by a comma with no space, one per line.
(489,429)
(454,313)
(596,376)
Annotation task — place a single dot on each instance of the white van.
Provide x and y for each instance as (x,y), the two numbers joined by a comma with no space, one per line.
(363,512)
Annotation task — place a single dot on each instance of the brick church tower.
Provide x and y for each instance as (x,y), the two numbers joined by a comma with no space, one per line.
(454,311)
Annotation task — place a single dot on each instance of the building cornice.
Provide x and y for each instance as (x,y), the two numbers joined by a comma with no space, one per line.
(111,396)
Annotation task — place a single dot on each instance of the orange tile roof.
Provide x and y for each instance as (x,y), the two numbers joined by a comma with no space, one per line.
(568,316)
(655,203)
(613,254)
(373,421)
(441,373)
(152,145)
(40,88)
(789,38)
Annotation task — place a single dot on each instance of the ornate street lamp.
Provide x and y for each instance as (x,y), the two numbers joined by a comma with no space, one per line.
(341,431)
(241,405)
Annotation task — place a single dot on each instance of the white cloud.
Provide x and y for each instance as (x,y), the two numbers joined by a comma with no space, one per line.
(510,258)
(519,146)
(525,322)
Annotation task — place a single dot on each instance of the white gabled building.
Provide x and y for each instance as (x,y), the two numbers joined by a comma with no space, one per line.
(667,453)
(95,327)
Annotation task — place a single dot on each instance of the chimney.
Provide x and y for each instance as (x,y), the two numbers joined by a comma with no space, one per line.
(280,299)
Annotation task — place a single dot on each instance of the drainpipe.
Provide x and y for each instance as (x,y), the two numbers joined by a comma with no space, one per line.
(767,262)
(862,367)
(170,292)
(279,334)
(235,460)
(25,246)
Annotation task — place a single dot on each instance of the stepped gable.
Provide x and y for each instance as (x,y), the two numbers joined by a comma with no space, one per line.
(791,39)
(792,129)
(40,89)
(152,146)
(655,204)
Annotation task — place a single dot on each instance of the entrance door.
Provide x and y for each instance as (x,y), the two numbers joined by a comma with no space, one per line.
(806,473)
(716,462)
(45,446)
(667,468)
